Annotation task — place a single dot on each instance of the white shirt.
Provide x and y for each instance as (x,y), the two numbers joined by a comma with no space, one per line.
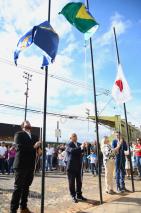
(76,144)
(3,149)
(49,151)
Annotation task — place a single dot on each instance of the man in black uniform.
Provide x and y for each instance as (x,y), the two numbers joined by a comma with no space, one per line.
(74,165)
(24,164)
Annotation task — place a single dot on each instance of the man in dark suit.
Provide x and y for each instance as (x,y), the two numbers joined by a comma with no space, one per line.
(74,165)
(24,164)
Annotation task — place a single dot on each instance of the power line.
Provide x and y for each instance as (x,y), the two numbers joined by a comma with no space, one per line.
(41,112)
(59,77)
(74,117)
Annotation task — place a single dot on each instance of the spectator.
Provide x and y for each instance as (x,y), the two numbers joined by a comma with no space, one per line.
(54,159)
(138,155)
(3,151)
(11,157)
(86,161)
(134,158)
(93,162)
(60,160)
(49,154)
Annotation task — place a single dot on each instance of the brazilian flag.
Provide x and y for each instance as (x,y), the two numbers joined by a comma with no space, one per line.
(80,17)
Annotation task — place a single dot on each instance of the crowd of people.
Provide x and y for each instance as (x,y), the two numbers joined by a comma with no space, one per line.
(7,156)
(73,159)
(56,157)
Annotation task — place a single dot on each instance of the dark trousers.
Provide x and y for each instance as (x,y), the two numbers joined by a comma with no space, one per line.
(49,162)
(120,174)
(94,168)
(138,160)
(10,165)
(23,179)
(2,165)
(72,178)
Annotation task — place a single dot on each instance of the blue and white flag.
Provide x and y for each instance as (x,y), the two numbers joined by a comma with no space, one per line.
(43,36)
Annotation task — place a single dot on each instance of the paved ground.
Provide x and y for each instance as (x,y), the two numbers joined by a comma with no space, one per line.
(57,199)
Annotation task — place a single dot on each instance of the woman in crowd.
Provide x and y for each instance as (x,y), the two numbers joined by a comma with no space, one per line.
(11,157)
(109,163)
(138,155)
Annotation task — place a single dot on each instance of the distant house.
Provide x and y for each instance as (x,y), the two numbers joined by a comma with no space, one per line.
(7,131)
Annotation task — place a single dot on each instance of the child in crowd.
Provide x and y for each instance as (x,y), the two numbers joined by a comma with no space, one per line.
(93,162)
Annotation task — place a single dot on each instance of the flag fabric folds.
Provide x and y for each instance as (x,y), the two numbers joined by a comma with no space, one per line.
(121,91)
(47,39)
(80,17)
(42,36)
(46,61)
(24,42)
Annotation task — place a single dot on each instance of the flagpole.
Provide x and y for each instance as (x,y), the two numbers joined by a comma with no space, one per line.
(44,128)
(96,116)
(125,113)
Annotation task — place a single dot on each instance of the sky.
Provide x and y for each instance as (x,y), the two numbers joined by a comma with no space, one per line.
(72,63)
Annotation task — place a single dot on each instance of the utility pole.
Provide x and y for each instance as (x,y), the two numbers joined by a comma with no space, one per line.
(57,132)
(27,76)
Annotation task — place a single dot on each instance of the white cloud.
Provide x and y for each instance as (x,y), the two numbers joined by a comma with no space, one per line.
(71,47)
(18,19)
(120,24)
(103,45)
(25,14)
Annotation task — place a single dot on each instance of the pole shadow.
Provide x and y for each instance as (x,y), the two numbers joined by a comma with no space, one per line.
(32,194)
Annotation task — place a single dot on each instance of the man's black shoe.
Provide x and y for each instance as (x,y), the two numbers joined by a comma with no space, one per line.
(81,198)
(74,200)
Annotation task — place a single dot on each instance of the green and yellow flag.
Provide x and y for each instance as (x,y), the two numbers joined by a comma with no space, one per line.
(79,16)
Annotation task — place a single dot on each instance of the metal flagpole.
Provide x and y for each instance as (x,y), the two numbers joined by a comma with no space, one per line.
(96,117)
(125,113)
(44,128)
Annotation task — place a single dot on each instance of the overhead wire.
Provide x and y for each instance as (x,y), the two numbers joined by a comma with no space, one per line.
(58,77)
(41,112)
(61,78)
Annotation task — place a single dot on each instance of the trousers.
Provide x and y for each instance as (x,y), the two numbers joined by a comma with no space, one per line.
(109,173)
(23,179)
(75,183)
(120,173)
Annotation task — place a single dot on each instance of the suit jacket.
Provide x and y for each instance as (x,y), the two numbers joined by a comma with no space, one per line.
(25,152)
(74,157)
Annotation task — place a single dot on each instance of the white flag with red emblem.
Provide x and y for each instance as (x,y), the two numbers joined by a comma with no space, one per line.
(121,91)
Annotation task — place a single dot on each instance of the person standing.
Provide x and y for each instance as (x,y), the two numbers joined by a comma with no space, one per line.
(3,151)
(74,165)
(120,162)
(49,154)
(137,150)
(109,163)
(93,162)
(24,164)
(11,157)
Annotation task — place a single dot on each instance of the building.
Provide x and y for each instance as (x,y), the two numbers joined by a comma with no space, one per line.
(7,131)
(118,124)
